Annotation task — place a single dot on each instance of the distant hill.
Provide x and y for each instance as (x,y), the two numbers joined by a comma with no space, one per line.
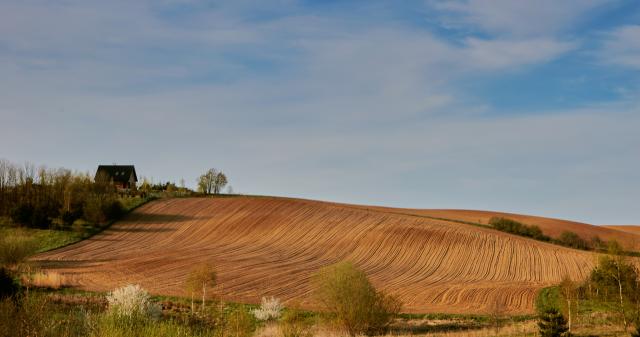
(272,246)
(634,229)
(551,227)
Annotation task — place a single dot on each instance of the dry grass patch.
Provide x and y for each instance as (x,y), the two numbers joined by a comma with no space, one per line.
(52,280)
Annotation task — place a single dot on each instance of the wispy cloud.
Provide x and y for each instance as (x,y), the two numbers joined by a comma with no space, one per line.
(515,18)
(501,54)
(622,47)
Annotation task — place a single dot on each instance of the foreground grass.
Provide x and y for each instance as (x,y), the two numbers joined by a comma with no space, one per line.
(69,312)
(44,239)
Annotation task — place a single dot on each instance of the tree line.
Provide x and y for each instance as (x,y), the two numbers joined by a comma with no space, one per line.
(42,197)
(613,285)
(566,238)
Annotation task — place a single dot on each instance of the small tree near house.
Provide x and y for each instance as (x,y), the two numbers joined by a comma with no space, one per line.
(212,181)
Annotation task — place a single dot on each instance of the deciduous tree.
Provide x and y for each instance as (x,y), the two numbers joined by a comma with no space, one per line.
(358,307)
(201,278)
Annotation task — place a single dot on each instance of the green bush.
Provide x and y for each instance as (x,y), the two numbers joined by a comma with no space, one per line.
(240,323)
(293,323)
(551,323)
(34,216)
(113,209)
(99,209)
(355,304)
(41,217)
(35,315)
(515,227)
(21,214)
(573,240)
(69,217)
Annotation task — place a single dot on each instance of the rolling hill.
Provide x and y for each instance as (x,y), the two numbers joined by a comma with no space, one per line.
(633,229)
(272,246)
(549,226)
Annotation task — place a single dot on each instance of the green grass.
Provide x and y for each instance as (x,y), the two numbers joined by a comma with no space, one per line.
(45,239)
(548,298)
(49,239)
(599,312)
(131,203)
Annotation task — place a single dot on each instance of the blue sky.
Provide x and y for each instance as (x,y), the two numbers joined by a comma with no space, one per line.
(519,106)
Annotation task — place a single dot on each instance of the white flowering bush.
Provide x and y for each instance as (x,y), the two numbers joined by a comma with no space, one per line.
(132,301)
(270,309)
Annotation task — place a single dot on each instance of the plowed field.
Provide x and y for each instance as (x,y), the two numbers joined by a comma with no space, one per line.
(552,227)
(272,246)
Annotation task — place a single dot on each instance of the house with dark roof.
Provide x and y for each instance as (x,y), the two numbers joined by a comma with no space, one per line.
(122,176)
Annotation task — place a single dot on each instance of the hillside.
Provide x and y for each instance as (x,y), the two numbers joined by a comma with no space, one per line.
(551,227)
(272,246)
(633,229)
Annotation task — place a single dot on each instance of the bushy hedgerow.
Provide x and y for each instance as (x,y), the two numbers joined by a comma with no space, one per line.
(99,209)
(518,228)
(40,216)
(573,240)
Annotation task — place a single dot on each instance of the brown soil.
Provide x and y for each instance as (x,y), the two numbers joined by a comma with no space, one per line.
(272,246)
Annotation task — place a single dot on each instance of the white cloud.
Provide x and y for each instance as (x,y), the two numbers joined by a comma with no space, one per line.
(499,54)
(515,17)
(622,47)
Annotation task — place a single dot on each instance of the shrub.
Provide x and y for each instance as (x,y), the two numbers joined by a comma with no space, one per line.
(15,249)
(270,309)
(598,244)
(132,301)
(515,227)
(21,214)
(294,324)
(40,217)
(573,240)
(69,217)
(98,209)
(113,210)
(36,315)
(93,210)
(355,304)
(551,323)
(240,323)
